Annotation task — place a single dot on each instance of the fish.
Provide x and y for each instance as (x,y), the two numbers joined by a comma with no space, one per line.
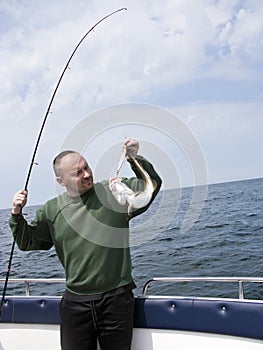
(124,195)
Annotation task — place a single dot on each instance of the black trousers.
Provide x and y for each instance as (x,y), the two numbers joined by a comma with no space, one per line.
(108,320)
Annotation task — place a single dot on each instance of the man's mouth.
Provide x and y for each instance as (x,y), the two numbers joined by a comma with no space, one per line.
(87,181)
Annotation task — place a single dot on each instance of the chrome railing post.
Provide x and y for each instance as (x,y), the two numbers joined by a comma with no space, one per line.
(27,288)
(240,290)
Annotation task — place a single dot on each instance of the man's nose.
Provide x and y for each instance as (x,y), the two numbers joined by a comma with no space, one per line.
(86,173)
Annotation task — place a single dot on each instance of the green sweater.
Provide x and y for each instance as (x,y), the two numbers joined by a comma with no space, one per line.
(90,234)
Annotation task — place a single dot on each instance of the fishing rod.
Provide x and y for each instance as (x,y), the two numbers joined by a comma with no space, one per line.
(38,141)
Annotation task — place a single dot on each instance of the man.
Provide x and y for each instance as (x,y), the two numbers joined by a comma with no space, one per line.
(90,232)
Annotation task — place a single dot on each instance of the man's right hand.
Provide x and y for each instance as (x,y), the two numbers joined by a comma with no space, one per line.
(19,201)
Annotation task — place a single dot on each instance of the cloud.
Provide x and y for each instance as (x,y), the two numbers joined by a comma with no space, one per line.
(230,135)
(150,46)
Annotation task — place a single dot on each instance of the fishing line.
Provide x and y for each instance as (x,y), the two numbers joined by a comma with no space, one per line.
(38,141)
(121,161)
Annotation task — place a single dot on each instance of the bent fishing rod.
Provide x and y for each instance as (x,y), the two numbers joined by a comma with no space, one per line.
(38,141)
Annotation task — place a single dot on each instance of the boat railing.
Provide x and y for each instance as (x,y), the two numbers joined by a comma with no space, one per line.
(29,281)
(238,280)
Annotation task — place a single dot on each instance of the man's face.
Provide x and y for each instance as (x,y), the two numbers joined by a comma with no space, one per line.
(75,174)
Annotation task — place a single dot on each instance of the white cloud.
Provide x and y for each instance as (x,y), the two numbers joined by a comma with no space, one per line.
(231,138)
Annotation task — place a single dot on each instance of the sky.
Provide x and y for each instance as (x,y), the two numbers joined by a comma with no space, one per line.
(184,77)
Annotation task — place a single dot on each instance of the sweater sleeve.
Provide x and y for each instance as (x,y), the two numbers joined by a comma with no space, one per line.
(33,236)
(135,185)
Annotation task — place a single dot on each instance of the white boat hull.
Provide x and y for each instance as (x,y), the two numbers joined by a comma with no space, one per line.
(43,337)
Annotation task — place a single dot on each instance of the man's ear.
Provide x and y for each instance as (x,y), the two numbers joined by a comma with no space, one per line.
(60,181)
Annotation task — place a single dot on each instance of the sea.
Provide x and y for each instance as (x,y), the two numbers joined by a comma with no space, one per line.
(213,231)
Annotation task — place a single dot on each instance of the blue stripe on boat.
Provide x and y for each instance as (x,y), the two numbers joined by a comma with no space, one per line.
(237,318)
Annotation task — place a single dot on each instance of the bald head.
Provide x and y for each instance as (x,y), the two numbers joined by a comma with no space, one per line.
(73,172)
(59,157)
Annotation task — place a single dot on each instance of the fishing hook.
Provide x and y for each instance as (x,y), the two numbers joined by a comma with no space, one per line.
(38,141)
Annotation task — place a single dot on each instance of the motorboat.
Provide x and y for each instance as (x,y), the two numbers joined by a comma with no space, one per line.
(161,322)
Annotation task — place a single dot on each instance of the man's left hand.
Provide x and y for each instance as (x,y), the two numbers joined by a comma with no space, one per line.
(132,147)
